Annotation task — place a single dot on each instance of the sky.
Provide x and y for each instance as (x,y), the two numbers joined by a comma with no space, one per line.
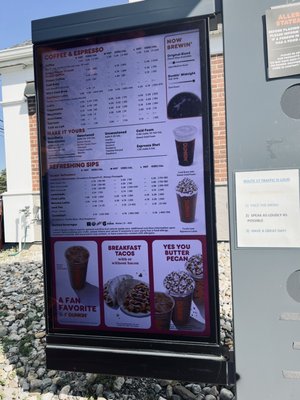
(15,26)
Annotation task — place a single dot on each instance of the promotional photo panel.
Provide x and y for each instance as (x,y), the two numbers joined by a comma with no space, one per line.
(76,283)
(180,286)
(126,291)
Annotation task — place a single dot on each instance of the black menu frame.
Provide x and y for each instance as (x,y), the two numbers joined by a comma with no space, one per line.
(136,353)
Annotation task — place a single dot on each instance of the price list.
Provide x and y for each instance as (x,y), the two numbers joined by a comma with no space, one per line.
(154,191)
(100,86)
(111,150)
(117,195)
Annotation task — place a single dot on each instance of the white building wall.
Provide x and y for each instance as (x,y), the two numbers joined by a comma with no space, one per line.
(16,70)
(17,145)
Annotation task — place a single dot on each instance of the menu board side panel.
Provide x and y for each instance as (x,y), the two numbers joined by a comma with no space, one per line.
(48,294)
(210,207)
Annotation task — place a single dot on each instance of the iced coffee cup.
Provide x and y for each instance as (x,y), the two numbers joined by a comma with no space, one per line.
(185,144)
(187,191)
(163,305)
(77,259)
(194,267)
(180,286)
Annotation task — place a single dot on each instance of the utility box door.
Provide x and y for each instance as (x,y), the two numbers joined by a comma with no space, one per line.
(263,159)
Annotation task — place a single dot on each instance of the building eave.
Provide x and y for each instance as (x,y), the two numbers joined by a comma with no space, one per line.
(16,56)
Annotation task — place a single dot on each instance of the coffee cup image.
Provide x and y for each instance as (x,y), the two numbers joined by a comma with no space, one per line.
(186,191)
(184,105)
(194,266)
(185,144)
(163,309)
(77,258)
(180,286)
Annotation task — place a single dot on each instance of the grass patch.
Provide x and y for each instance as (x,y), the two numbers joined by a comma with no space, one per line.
(29,322)
(8,251)
(3,314)
(40,309)
(24,348)
(7,343)
(24,345)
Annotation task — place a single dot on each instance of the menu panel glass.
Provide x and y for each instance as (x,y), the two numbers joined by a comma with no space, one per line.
(124,128)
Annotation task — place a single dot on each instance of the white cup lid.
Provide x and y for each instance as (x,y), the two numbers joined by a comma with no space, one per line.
(185,133)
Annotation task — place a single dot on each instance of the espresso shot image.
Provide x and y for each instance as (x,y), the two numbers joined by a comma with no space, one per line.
(184,105)
(186,191)
(185,144)
(77,258)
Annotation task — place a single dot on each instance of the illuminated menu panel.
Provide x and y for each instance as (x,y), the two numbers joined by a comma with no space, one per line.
(123,139)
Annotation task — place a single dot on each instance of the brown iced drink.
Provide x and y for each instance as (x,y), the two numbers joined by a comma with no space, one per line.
(77,259)
(163,305)
(187,191)
(182,309)
(180,286)
(185,144)
(194,266)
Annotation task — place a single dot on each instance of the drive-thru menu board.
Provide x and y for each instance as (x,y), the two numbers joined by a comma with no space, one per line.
(122,134)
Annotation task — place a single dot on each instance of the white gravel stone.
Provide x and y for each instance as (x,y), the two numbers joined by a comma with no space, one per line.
(226,394)
(47,396)
(118,383)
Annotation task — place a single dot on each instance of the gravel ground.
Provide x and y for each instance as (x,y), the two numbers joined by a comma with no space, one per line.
(23,374)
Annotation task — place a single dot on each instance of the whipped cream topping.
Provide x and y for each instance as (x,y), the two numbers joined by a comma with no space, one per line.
(179,283)
(195,265)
